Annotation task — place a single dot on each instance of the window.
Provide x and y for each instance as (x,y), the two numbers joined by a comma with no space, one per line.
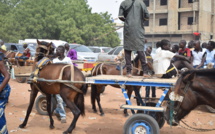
(146,2)
(95,50)
(190,21)
(163,22)
(163,2)
(190,1)
(111,52)
(146,23)
(118,50)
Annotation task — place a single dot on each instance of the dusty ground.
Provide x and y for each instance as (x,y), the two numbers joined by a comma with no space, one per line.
(92,123)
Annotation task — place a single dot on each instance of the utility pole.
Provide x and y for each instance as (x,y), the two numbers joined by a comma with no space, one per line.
(153,34)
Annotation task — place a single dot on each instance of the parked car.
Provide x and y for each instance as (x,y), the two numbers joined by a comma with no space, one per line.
(111,55)
(32,47)
(84,53)
(96,49)
(14,47)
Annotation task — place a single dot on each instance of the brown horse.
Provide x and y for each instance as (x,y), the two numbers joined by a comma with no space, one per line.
(110,69)
(193,88)
(10,55)
(74,99)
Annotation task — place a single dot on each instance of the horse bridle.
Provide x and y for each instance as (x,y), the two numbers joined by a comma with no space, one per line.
(44,47)
(178,98)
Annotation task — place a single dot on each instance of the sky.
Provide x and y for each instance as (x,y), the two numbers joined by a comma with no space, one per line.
(111,6)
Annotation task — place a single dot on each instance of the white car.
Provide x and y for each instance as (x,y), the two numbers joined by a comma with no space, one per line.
(84,53)
(111,55)
(96,49)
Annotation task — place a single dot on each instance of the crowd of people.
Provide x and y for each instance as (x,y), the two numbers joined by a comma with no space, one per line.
(169,61)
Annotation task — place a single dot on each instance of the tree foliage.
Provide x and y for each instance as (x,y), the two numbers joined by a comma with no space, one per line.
(69,20)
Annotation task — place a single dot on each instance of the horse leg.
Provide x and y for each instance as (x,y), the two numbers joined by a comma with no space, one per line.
(93,97)
(33,95)
(98,100)
(137,94)
(129,92)
(74,109)
(76,113)
(48,98)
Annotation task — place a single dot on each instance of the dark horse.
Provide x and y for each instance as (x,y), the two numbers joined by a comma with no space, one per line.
(110,69)
(74,99)
(193,88)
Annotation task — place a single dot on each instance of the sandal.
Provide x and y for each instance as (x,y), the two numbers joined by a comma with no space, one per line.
(146,76)
(129,75)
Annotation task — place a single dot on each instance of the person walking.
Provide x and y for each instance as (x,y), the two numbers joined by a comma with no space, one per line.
(71,53)
(134,13)
(60,111)
(4,94)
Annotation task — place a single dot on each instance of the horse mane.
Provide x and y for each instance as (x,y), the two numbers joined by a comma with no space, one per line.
(43,43)
(202,72)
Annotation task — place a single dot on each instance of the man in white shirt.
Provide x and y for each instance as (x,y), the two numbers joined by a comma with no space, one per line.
(60,111)
(162,61)
(61,58)
(198,56)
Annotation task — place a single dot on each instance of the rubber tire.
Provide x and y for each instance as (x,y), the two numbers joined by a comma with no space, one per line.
(21,79)
(210,109)
(138,118)
(41,104)
(161,120)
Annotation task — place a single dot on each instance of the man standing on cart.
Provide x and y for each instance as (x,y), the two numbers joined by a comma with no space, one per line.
(134,13)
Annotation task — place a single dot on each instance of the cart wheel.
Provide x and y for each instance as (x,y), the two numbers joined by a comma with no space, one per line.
(41,104)
(141,124)
(21,79)
(158,116)
(210,109)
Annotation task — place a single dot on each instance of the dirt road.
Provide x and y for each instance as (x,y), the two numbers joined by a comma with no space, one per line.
(92,123)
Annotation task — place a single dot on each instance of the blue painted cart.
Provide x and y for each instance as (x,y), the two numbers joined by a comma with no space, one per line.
(151,119)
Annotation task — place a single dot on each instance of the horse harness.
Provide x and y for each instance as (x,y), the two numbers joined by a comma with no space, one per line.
(175,97)
(45,61)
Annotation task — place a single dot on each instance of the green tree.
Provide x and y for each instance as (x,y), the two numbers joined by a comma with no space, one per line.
(69,20)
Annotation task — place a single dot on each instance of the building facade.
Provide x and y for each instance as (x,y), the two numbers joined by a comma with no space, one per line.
(180,19)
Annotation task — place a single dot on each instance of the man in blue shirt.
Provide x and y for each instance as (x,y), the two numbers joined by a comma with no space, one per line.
(210,54)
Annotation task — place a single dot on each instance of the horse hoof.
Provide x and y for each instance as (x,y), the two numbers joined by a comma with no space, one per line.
(102,114)
(21,126)
(126,115)
(51,127)
(95,111)
(65,132)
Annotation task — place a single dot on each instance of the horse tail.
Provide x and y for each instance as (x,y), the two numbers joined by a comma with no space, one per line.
(84,88)
(80,103)
(80,99)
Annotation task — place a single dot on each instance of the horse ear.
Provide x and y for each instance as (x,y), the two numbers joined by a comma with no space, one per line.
(50,44)
(38,42)
(189,77)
